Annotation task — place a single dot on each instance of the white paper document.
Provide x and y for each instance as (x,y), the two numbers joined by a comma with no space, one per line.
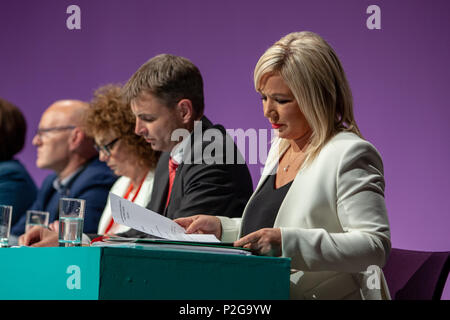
(134,216)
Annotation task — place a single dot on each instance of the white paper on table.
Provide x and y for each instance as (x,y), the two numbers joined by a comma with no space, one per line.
(134,216)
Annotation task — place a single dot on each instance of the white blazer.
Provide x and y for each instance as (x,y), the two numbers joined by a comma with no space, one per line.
(333,221)
(119,188)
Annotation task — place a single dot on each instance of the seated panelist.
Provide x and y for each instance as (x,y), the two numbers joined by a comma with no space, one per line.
(63,147)
(320,199)
(17,188)
(111,123)
(166,98)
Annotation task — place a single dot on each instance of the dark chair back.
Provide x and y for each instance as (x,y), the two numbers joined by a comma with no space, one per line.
(416,275)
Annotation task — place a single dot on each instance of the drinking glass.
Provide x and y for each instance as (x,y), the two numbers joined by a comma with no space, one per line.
(71,219)
(5,224)
(36,218)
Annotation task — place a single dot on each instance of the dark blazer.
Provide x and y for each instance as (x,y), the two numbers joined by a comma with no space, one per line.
(92,184)
(215,189)
(17,188)
(219,188)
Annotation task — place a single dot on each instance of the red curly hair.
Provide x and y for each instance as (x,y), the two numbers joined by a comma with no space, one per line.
(109,113)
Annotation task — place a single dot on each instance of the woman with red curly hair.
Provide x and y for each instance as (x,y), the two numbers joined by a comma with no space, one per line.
(111,123)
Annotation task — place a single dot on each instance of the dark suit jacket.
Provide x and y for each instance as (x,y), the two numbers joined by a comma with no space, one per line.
(92,184)
(199,187)
(17,188)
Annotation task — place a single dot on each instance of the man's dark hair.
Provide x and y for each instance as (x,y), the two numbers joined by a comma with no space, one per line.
(170,78)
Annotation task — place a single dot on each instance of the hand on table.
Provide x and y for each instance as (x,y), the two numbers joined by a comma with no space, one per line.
(39,237)
(54,226)
(265,242)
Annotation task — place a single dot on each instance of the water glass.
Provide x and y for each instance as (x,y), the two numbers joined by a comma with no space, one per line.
(36,218)
(71,219)
(5,224)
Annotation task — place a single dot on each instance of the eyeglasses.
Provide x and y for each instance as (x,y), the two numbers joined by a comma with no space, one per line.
(106,148)
(41,131)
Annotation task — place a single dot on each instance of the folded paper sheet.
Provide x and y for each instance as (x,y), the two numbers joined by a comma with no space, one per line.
(134,216)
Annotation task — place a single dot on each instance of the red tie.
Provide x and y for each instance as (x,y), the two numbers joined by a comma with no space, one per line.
(172,171)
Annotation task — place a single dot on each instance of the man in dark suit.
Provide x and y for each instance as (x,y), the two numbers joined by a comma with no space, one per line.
(63,147)
(194,175)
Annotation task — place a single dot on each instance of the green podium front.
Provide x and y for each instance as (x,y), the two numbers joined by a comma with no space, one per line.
(92,273)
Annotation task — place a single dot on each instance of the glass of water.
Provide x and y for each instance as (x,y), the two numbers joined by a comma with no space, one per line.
(5,224)
(36,218)
(71,218)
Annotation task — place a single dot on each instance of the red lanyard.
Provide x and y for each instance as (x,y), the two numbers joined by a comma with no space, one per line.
(127,194)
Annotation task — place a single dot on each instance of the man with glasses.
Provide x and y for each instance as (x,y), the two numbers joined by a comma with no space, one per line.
(63,147)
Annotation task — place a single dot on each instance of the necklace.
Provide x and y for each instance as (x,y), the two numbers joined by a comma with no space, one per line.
(291,156)
(286,168)
(297,161)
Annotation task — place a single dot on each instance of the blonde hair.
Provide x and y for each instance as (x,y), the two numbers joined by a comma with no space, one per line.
(314,74)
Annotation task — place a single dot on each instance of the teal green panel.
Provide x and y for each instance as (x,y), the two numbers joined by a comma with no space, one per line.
(49,273)
(173,274)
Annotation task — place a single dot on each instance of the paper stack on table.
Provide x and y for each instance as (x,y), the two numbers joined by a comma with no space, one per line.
(134,216)
(164,232)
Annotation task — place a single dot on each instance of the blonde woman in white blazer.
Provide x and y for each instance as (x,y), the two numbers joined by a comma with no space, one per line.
(331,218)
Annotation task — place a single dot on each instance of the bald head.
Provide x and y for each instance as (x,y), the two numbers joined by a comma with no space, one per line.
(70,112)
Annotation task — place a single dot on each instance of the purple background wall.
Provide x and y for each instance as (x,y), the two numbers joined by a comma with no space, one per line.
(399,75)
